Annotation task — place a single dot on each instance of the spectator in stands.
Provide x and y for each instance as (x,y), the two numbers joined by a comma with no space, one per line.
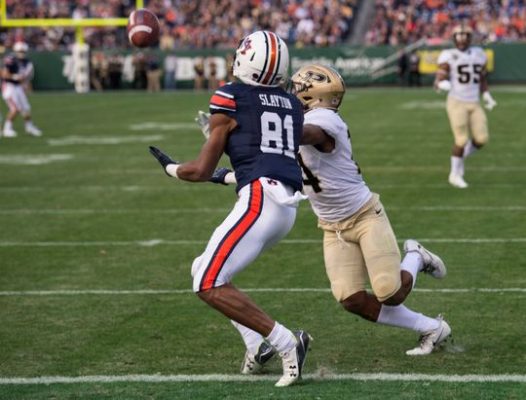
(153,74)
(403,64)
(115,62)
(170,71)
(199,74)
(230,67)
(213,83)
(400,22)
(194,24)
(98,71)
(414,69)
(321,23)
(139,71)
(166,41)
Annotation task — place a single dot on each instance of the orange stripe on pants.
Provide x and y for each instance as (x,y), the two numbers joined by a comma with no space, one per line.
(233,237)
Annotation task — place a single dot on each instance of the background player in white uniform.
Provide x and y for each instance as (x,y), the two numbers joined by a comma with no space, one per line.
(359,243)
(462,72)
(259,126)
(16,73)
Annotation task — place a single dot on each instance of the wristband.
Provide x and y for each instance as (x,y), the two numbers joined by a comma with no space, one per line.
(171,169)
(230,178)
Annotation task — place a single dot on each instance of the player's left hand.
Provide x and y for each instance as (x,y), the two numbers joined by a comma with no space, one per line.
(163,159)
(203,120)
(489,101)
(223,176)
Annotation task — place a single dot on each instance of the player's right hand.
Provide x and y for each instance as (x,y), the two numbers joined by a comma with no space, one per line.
(444,85)
(203,120)
(17,77)
(223,176)
(489,101)
(163,159)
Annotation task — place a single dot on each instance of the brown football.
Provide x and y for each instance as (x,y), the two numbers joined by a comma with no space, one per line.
(143,28)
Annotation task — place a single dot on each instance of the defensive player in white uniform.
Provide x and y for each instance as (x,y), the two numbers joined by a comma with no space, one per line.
(16,74)
(359,243)
(462,72)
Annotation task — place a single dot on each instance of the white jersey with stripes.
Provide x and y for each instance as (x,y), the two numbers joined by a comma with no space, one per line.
(337,189)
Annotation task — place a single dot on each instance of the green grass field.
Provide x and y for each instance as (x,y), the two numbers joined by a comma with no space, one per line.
(96,245)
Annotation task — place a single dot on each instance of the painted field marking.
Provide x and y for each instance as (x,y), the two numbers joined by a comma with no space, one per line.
(201,210)
(157,242)
(47,380)
(423,105)
(34,159)
(163,126)
(102,140)
(190,187)
(102,292)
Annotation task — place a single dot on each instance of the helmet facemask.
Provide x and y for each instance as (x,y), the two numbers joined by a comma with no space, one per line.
(318,86)
(462,36)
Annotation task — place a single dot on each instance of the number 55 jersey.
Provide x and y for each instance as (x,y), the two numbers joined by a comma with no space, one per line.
(465,68)
(266,139)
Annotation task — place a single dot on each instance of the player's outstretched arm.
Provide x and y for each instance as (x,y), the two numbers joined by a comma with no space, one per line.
(202,168)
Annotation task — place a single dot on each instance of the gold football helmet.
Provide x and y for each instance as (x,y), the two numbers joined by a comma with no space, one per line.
(462,35)
(318,86)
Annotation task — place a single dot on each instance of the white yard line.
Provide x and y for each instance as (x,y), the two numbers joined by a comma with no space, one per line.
(190,187)
(34,159)
(102,140)
(199,210)
(98,292)
(393,377)
(157,242)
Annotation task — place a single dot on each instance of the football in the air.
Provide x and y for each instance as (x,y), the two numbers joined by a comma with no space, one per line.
(143,28)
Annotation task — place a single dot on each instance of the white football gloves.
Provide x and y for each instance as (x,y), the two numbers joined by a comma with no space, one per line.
(444,86)
(489,102)
(202,120)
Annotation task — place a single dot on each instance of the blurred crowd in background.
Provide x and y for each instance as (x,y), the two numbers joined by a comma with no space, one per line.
(220,24)
(190,24)
(398,22)
(320,23)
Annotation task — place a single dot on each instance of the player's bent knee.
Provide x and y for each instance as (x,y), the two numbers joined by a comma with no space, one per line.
(385,286)
(401,294)
(355,303)
(340,290)
(481,141)
(363,304)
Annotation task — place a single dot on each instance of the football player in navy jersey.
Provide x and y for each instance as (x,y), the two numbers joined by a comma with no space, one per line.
(259,126)
(16,73)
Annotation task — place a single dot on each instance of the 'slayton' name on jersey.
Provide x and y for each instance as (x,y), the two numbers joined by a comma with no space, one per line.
(274,100)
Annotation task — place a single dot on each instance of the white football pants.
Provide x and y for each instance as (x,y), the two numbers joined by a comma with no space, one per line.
(262,216)
(15,97)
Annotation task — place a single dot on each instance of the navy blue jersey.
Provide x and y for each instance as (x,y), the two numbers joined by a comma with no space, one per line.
(15,66)
(269,127)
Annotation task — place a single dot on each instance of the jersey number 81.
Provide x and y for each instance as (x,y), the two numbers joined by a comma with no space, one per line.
(272,138)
